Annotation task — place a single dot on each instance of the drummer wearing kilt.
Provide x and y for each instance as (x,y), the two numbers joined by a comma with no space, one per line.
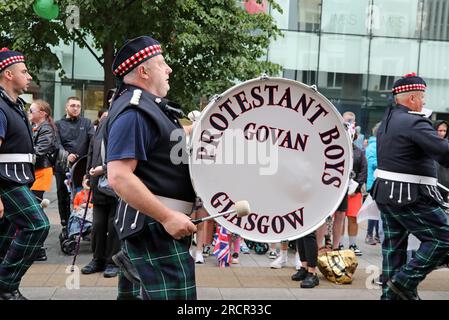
(23,224)
(155,194)
(406,190)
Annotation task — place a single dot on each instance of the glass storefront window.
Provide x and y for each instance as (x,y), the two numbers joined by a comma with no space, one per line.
(396,18)
(434,68)
(344,54)
(434,60)
(295,51)
(393,57)
(281,18)
(436,20)
(345,16)
(308,77)
(437,95)
(300,15)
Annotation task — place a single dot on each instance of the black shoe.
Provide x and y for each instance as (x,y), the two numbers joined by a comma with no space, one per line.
(402,292)
(129,271)
(310,281)
(111,271)
(93,267)
(300,274)
(41,255)
(11,295)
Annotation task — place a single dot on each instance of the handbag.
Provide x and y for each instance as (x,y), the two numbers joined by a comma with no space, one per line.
(338,266)
(103,183)
(104,187)
(352,186)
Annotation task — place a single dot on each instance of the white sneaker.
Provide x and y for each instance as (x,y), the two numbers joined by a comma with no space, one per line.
(298,264)
(199,257)
(280,262)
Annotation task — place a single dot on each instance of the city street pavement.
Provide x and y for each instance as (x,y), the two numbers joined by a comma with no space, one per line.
(251,279)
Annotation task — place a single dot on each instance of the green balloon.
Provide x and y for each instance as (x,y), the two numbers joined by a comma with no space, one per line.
(46,9)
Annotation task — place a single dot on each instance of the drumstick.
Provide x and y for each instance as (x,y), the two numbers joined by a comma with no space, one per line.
(44,202)
(443,187)
(241,208)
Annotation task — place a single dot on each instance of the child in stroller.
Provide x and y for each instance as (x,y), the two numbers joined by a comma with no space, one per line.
(79,192)
(79,210)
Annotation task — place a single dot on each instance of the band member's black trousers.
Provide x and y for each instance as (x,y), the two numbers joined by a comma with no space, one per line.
(105,242)
(308,249)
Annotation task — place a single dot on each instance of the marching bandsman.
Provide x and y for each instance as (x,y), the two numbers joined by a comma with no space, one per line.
(156,195)
(23,224)
(406,190)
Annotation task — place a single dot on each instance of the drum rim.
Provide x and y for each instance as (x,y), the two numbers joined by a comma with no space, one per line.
(313,88)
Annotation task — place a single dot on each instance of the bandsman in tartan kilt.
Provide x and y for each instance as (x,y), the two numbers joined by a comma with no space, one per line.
(155,193)
(23,224)
(406,192)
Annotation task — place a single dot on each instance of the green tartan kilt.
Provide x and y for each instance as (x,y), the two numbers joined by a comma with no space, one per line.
(165,266)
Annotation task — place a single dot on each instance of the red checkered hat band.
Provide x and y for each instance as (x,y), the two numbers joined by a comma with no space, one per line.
(137,58)
(11,60)
(409,87)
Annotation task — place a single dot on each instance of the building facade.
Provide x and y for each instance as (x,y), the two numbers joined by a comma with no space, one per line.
(353,50)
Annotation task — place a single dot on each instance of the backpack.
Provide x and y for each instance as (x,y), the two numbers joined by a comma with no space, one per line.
(338,266)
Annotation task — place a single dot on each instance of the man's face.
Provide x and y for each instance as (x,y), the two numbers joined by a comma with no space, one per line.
(158,73)
(418,100)
(73,108)
(20,78)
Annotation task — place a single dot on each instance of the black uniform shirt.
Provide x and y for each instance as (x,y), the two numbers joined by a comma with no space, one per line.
(407,143)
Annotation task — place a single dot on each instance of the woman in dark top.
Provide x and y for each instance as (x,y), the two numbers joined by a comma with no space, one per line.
(44,139)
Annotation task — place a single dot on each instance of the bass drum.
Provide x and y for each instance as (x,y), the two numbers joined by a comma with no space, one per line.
(280,145)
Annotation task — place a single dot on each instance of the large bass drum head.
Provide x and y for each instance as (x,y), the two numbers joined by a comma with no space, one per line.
(280,145)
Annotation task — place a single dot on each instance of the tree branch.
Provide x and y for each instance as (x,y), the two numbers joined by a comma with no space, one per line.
(80,36)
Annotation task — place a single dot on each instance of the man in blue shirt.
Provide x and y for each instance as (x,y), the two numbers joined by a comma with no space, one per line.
(23,224)
(156,195)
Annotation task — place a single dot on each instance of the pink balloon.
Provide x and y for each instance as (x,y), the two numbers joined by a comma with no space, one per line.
(252,7)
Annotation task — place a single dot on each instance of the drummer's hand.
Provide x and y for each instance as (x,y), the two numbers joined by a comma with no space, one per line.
(178,225)
(71,157)
(2,209)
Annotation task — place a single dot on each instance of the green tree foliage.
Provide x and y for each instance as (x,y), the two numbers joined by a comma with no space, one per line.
(209,44)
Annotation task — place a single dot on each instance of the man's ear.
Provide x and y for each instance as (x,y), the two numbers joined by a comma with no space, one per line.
(7,74)
(142,71)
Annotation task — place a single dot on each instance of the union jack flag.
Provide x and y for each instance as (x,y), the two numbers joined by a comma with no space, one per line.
(222,250)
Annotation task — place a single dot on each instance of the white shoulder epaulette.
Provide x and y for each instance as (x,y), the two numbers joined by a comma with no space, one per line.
(136,97)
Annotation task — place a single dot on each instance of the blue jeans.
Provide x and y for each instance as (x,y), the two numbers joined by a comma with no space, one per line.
(373,224)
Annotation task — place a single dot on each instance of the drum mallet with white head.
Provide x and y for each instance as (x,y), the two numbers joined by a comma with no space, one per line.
(241,208)
(44,202)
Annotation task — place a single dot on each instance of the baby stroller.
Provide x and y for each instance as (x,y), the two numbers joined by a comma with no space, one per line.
(259,247)
(69,235)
